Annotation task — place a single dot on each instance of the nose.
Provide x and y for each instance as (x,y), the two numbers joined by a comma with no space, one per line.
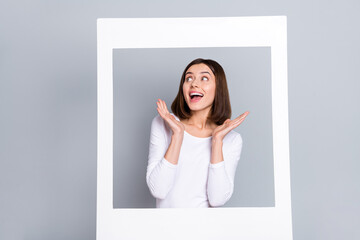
(194,83)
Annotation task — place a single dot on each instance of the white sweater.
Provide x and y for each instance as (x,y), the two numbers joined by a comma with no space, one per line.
(193,182)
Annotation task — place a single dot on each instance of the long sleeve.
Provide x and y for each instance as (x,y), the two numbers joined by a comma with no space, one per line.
(160,173)
(221,176)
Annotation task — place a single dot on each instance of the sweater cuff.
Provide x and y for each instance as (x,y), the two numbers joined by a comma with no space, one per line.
(217,165)
(168,164)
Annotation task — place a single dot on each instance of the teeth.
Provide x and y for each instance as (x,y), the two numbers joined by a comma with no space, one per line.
(196,94)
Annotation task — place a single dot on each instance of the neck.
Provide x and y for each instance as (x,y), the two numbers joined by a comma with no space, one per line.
(199,119)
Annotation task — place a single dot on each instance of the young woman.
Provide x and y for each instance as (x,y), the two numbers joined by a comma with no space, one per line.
(193,152)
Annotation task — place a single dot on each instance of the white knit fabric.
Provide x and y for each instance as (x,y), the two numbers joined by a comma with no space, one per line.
(193,182)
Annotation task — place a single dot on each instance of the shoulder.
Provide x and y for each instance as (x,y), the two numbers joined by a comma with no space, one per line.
(233,138)
(158,124)
(157,121)
(232,144)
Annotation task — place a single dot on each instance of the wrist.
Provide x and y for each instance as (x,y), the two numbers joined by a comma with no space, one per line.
(178,135)
(217,140)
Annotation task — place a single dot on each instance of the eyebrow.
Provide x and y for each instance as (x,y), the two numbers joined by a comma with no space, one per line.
(193,73)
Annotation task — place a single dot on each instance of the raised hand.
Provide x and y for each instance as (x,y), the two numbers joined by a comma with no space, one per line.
(176,126)
(221,131)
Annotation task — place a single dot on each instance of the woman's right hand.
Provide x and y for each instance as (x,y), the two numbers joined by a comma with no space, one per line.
(176,126)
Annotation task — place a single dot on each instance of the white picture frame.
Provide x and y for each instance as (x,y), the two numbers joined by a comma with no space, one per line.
(188,223)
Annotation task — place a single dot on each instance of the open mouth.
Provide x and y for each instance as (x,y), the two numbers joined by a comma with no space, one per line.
(195,96)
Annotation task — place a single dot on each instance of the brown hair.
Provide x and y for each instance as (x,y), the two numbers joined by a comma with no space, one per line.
(221,108)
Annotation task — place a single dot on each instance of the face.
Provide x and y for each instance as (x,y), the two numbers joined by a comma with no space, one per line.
(199,80)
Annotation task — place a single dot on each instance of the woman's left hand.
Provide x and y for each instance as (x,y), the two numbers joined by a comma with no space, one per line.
(220,132)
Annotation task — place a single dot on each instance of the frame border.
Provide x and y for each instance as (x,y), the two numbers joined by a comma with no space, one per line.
(212,223)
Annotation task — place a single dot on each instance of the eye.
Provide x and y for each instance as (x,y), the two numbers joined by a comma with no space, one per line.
(205,78)
(188,79)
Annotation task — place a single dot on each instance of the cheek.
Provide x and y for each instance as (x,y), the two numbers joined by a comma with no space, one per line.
(211,91)
(184,91)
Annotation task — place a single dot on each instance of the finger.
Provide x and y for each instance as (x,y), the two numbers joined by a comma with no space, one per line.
(227,120)
(243,115)
(165,107)
(160,112)
(163,104)
(236,122)
(239,121)
(160,109)
(158,103)
(229,125)
(165,112)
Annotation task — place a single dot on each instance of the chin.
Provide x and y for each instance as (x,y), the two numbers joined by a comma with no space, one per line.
(198,108)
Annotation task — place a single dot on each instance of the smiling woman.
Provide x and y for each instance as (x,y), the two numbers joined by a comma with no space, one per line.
(208,76)
(194,152)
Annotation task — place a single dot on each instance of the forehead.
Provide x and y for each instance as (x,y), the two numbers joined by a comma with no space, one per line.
(198,68)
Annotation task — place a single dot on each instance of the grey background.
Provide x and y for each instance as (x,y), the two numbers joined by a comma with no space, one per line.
(140,79)
(48,111)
